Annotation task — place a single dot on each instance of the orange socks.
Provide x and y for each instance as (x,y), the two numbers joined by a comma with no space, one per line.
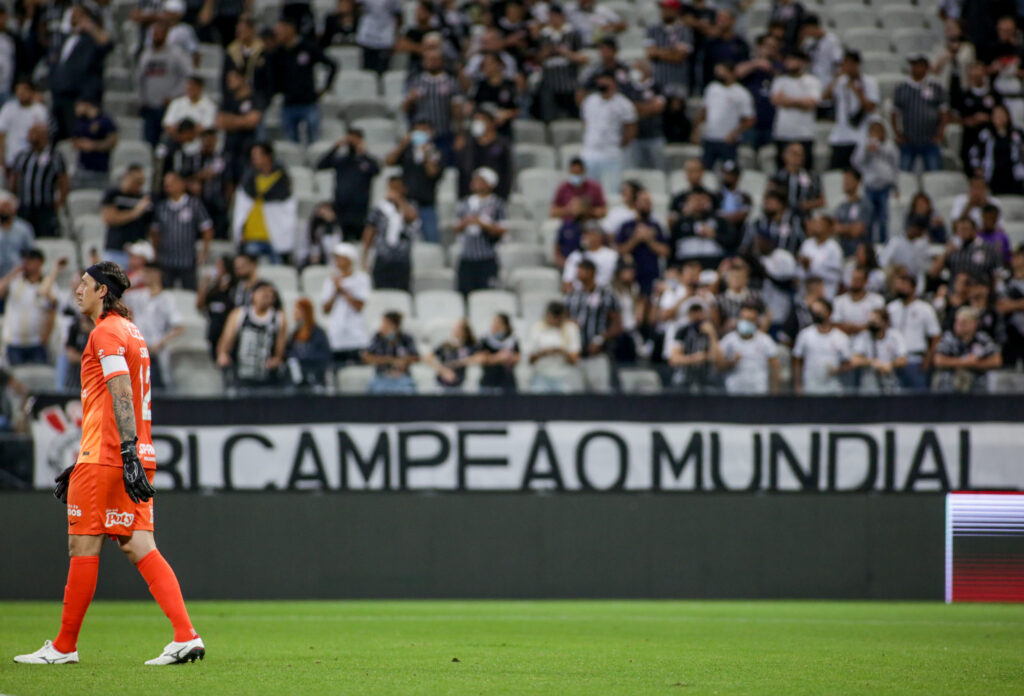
(163,585)
(78,594)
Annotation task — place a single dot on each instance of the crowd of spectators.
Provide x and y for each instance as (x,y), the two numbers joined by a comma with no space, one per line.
(746,202)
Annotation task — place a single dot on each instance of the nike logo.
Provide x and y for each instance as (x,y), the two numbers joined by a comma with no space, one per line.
(73,522)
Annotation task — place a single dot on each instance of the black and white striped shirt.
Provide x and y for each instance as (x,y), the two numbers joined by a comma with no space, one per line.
(730,303)
(178,225)
(592,311)
(787,232)
(797,187)
(478,245)
(37,174)
(437,92)
(559,73)
(394,247)
(920,106)
(669,36)
(978,259)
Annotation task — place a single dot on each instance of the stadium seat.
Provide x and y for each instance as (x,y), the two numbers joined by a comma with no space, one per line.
(678,184)
(1012,208)
(676,156)
(55,248)
(84,202)
(367,108)
(311,281)
(548,234)
(382,301)
(185,301)
(194,335)
(439,304)
(131,152)
(534,279)
(652,180)
(526,155)
(119,104)
(290,154)
(355,84)
(211,57)
(302,179)
(394,88)
(903,16)
(193,371)
(539,184)
(512,255)
(434,332)
(384,130)
(484,304)
(448,186)
(354,379)
(832,187)
(944,184)
(753,182)
(1015,232)
(284,278)
(914,40)
(520,231)
(865,39)
(118,79)
(569,152)
(347,57)
(313,154)
(426,255)
(36,378)
(424,377)
(639,381)
(1005,382)
(438,278)
(565,131)
(852,16)
(519,207)
(529,131)
(90,232)
(878,62)
(535,303)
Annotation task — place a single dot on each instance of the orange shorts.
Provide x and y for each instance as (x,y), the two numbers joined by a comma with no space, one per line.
(99,504)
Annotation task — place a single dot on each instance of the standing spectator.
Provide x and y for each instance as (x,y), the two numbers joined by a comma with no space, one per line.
(342,299)
(725,44)
(973,102)
(596,311)
(969,254)
(778,223)
(609,126)
(177,152)
(12,57)
(570,231)
(339,29)
(700,235)
(496,94)
(39,178)
(127,212)
(553,349)
(964,355)
(391,352)
(856,97)
(434,96)
(265,208)
(820,254)
(391,229)
(997,155)
(853,308)
(560,58)
(593,21)
(821,354)
(484,149)
(802,188)
(737,295)
(498,354)
(919,117)
(644,241)
(479,222)
(379,24)
(292,74)
(749,358)
(1011,306)
(916,321)
(788,17)
(211,183)
(669,45)
(160,76)
(795,97)
(179,33)
(254,339)
(17,116)
(300,14)
(728,111)
(178,221)
(578,185)
(694,346)
(758,75)
(156,314)
(247,55)
(216,297)
(992,232)
(734,204)
(78,72)
(607,62)
(354,171)
(240,117)
(647,151)
(322,234)
(29,308)
(450,359)
(193,106)
(823,48)
(853,215)
(94,137)
(877,160)
(422,169)
(878,353)
(16,236)
(308,353)
(773,271)
(592,249)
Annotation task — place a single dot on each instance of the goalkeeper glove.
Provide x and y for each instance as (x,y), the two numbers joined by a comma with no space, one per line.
(135,482)
(60,491)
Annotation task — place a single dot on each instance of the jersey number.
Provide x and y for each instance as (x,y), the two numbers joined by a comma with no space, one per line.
(147,394)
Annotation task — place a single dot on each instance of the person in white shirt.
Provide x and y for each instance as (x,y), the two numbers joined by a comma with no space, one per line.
(728,112)
(820,254)
(795,97)
(342,299)
(553,349)
(159,320)
(592,248)
(193,105)
(911,251)
(823,48)
(821,354)
(17,116)
(679,291)
(854,307)
(625,211)
(878,352)
(29,308)
(591,20)
(971,204)
(749,358)
(179,33)
(609,125)
(917,322)
(856,98)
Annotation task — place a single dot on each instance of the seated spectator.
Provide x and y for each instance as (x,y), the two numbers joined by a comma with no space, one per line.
(17,116)
(29,309)
(194,105)
(964,355)
(140,255)
(795,96)
(127,211)
(911,251)
(625,211)
(877,161)
(633,308)
(609,126)
(694,172)
(450,359)
(917,322)
(570,231)
(919,117)
(39,178)
(853,216)
(178,221)
(498,354)
(578,186)
(864,256)
(780,224)
(592,249)
(342,299)
(354,171)
(265,208)
(736,296)
(496,93)
(853,308)
(800,187)
(878,354)
(480,223)
(821,354)
(16,235)
(734,204)
(773,272)
(856,97)
(309,353)
(971,204)
(156,314)
(820,255)
(996,156)
(160,76)
(647,151)
(697,234)
(643,240)
(422,169)
(216,298)
(992,232)
(693,351)
(727,113)
(968,254)
(391,228)
(254,339)
(94,137)
(596,311)
(391,352)
(484,149)
(1011,306)
(922,214)
(553,349)
(748,358)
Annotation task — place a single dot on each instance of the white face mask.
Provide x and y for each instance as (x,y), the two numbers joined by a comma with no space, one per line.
(636,76)
(478,128)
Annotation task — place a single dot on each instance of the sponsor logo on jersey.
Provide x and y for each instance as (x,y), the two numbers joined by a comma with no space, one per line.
(74,514)
(117,518)
(147,450)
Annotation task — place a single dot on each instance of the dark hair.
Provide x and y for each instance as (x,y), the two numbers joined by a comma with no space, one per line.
(395,178)
(266,146)
(825,302)
(395,318)
(186,124)
(577,162)
(755,305)
(811,20)
(506,320)
(34,253)
(587,264)
(965,220)
(251,258)
(111,304)
(989,208)
(556,309)
(854,172)
(871,256)
(776,196)
(358,132)
(198,79)
(852,54)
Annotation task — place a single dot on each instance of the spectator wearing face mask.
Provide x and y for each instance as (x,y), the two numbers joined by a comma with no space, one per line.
(748,358)
(578,185)
(878,353)
(821,354)
(422,168)
(484,149)
(609,126)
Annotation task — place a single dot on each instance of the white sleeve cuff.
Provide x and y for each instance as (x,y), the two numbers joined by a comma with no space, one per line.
(114,365)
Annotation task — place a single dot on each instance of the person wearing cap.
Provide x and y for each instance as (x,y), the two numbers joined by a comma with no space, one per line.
(669,45)
(919,117)
(795,96)
(140,254)
(727,112)
(156,314)
(179,33)
(29,306)
(561,57)
(126,210)
(78,72)
(160,75)
(391,228)
(16,117)
(609,126)
(342,298)
(594,21)
(855,97)
(484,148)
(479,223)
(292,75)
(94,137)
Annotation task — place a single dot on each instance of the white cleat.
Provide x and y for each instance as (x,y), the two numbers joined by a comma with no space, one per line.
(179,653)
(48,655)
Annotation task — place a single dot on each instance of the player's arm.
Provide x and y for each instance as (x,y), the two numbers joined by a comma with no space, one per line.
(135,482)
(120,388)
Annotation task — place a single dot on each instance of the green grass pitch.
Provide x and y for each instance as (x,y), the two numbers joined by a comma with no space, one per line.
(561,648)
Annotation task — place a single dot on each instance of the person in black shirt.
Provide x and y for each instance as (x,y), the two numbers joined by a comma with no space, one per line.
(757,76)
(391,352)
(498,353)
(247,55)
(974,103)
(293,77)
(421,167)
(497,93)
(241,112)
(210,182)
(177,153)
(411,40)
(127,212)
(485,148)
(699,234)
(354,171)
(451,358)
(648,149)
(340,26)
(216,297)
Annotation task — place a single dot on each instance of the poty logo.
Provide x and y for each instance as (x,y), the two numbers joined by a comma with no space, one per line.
(118,518)
(74,511)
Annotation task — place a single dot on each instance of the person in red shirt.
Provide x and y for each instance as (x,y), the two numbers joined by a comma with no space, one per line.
(577,185)
(108,491)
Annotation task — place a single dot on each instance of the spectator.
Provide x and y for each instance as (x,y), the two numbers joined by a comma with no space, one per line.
(246,272)
(785,22)
(379,24)
(853,215)
(570,230)
(778,223)
(673,296)
(820,254)
(647,151)
(127,212)
(434,96)
(972,255)
(996,155)
(1011,306)
(916,321)
(422,169)
(593,249)
(411,42)
(160,76)
(29,308)
(728,111)
(736,296)
(973,102)
(391,352)
(919,117)
(700,18)
(17,116)
(633,308)
(877,162)
(748,358)
(240,117)
(178,221)
(265,208)
(853,308)
(821,354)
(78,338)
(607,62)
(578,186)
(94,137)
(725,44)
(669,45)
(878,354)
(824,51)
(292,73)
(856,97)
(78,72)
(300,14)
(391,229)
(321,236)
(484,149)
(592,20)
(625,211)
(802,188)
(211,183)
(177,152)
(734,204)
(16,236)
(954,57)
(39,178)
(156,314)
(609,126)
(450,359)
(308,353)
(992,232)
(923,215)
(12,57)
(693,350)
(964,355)
(179,33)
(216,297)
(795,97)
(498,354)
(354,171)
(480,223)
(247,56)
(773,271)
(864,256)
(910,251)
(496,94)
(253,343)
(554,350)
(980,297)
(218,21)
(340,26)
(192,105)
(140,254)
(560,58)
(971,204)
(758,75)
(699,235)
(695,175)
(644,241)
